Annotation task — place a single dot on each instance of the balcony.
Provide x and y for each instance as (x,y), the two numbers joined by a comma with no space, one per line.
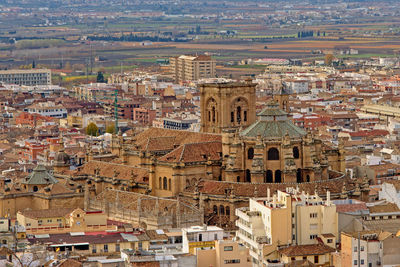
(244,227)
(248,240)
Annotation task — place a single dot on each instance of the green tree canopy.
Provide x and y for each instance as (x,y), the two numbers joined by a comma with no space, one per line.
(100,77)
(92,129)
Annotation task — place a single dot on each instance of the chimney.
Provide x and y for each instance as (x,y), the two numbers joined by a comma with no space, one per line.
(328,198)
(274,201)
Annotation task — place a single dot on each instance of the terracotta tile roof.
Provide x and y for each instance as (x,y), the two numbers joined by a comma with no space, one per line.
(344,208)
(198,152)
(46,213)
(153,235)
(69,263)
(211,187)
(385,208)
(180,137)
(114,170)
(304,250)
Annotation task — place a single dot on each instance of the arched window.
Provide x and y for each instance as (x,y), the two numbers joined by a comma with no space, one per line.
(248,176)
(250,153)
(221,210)
(299,178)
(238,179)
(165,187)
(159,183)
(238,114)
(209,115)
(220,177)
(278,176)
(245,115)
(296,153)
(227,211)
(35,188)
(269,177)
(308,178)
(213,114)
(232,117)
(215,209)
(169,184)
(273,154)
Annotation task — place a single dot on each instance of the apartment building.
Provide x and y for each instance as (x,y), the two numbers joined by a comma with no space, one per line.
(286,218)
(48,109)
(200,237)
(370,249)
(192,68)
(26,77)
(226,253)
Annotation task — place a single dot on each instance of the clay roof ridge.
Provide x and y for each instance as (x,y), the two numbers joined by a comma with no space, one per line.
(182,153)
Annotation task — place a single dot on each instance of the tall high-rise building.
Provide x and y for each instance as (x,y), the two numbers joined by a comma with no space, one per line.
(192,68)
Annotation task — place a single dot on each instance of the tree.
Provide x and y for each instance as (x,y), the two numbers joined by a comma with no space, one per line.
(92,129)
(328,59)
(110,129)
(100,77)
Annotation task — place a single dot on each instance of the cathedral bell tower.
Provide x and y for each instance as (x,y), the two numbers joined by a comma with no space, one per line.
(227,105)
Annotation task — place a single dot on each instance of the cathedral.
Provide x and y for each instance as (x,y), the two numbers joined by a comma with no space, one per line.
(238,154)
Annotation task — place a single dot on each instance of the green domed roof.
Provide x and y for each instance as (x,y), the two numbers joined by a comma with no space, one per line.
(273,123)
(40,176)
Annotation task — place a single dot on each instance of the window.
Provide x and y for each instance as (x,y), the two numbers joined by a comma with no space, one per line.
(362,248)
(330,240)
(117,247)
(316,259)
(159,183)
(4,241)
(248,176)
(169,184)
(355,262)
(40,222)
(105,248)
(296,153)
(362,262)
(232,117)
(273,154)
(278,176)
(231,261)
(238,114)
(221,210)
(313,215)
(313,237)
(355,249)
(250,153)
(269,177)
(165,185)
(227,211)
(245,115)
(228,248)
(215,236)
(215,209)
(49,220)
(94,251)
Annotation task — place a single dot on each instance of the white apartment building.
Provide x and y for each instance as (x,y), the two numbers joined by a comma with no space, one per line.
(286,218)
(26,77)
(48,109)
(200,237)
